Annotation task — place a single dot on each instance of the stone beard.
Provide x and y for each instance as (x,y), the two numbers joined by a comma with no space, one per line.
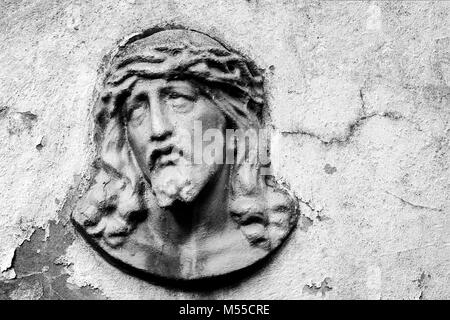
(150,207)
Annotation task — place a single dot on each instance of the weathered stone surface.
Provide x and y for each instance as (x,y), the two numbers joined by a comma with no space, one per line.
(361,87)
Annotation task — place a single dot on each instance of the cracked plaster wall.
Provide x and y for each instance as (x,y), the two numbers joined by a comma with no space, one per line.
(358,93)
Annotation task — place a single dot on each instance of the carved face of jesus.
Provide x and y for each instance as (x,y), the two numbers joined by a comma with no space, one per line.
(160,116)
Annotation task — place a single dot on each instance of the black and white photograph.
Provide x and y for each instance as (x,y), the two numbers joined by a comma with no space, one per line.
(235,152)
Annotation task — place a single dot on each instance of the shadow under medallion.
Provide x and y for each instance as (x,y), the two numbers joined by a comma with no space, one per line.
(149,206)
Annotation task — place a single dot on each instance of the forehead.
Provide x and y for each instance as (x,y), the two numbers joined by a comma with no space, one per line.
(159,84)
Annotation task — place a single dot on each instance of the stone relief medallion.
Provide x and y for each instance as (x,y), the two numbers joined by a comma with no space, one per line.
(156,203)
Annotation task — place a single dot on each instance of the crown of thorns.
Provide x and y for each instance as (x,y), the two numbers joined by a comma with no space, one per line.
(184,54)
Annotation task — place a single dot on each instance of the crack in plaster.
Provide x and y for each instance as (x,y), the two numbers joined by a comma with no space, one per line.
(353,126)
(418,206)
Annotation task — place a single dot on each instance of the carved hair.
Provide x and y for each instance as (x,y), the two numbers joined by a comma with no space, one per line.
(263,209)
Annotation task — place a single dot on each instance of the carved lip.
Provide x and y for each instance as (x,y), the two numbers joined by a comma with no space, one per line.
(164,156)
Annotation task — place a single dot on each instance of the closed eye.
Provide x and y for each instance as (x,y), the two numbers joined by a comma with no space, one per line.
(180,102)
(175,94)
(136,112)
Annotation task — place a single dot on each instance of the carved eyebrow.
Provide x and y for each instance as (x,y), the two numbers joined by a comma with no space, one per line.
(187,92)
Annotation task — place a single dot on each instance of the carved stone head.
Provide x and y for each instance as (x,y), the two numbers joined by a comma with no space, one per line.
(154,204)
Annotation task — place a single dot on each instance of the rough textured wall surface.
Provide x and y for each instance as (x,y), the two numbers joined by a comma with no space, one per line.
(358,96)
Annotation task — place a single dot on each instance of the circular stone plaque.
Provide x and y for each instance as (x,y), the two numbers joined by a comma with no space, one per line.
(182,187)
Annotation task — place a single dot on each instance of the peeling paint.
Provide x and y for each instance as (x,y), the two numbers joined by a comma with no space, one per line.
(6,259)
(321,288)
(423,283)
(38,272)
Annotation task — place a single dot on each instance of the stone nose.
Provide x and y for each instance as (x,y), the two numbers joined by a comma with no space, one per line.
(160,125)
